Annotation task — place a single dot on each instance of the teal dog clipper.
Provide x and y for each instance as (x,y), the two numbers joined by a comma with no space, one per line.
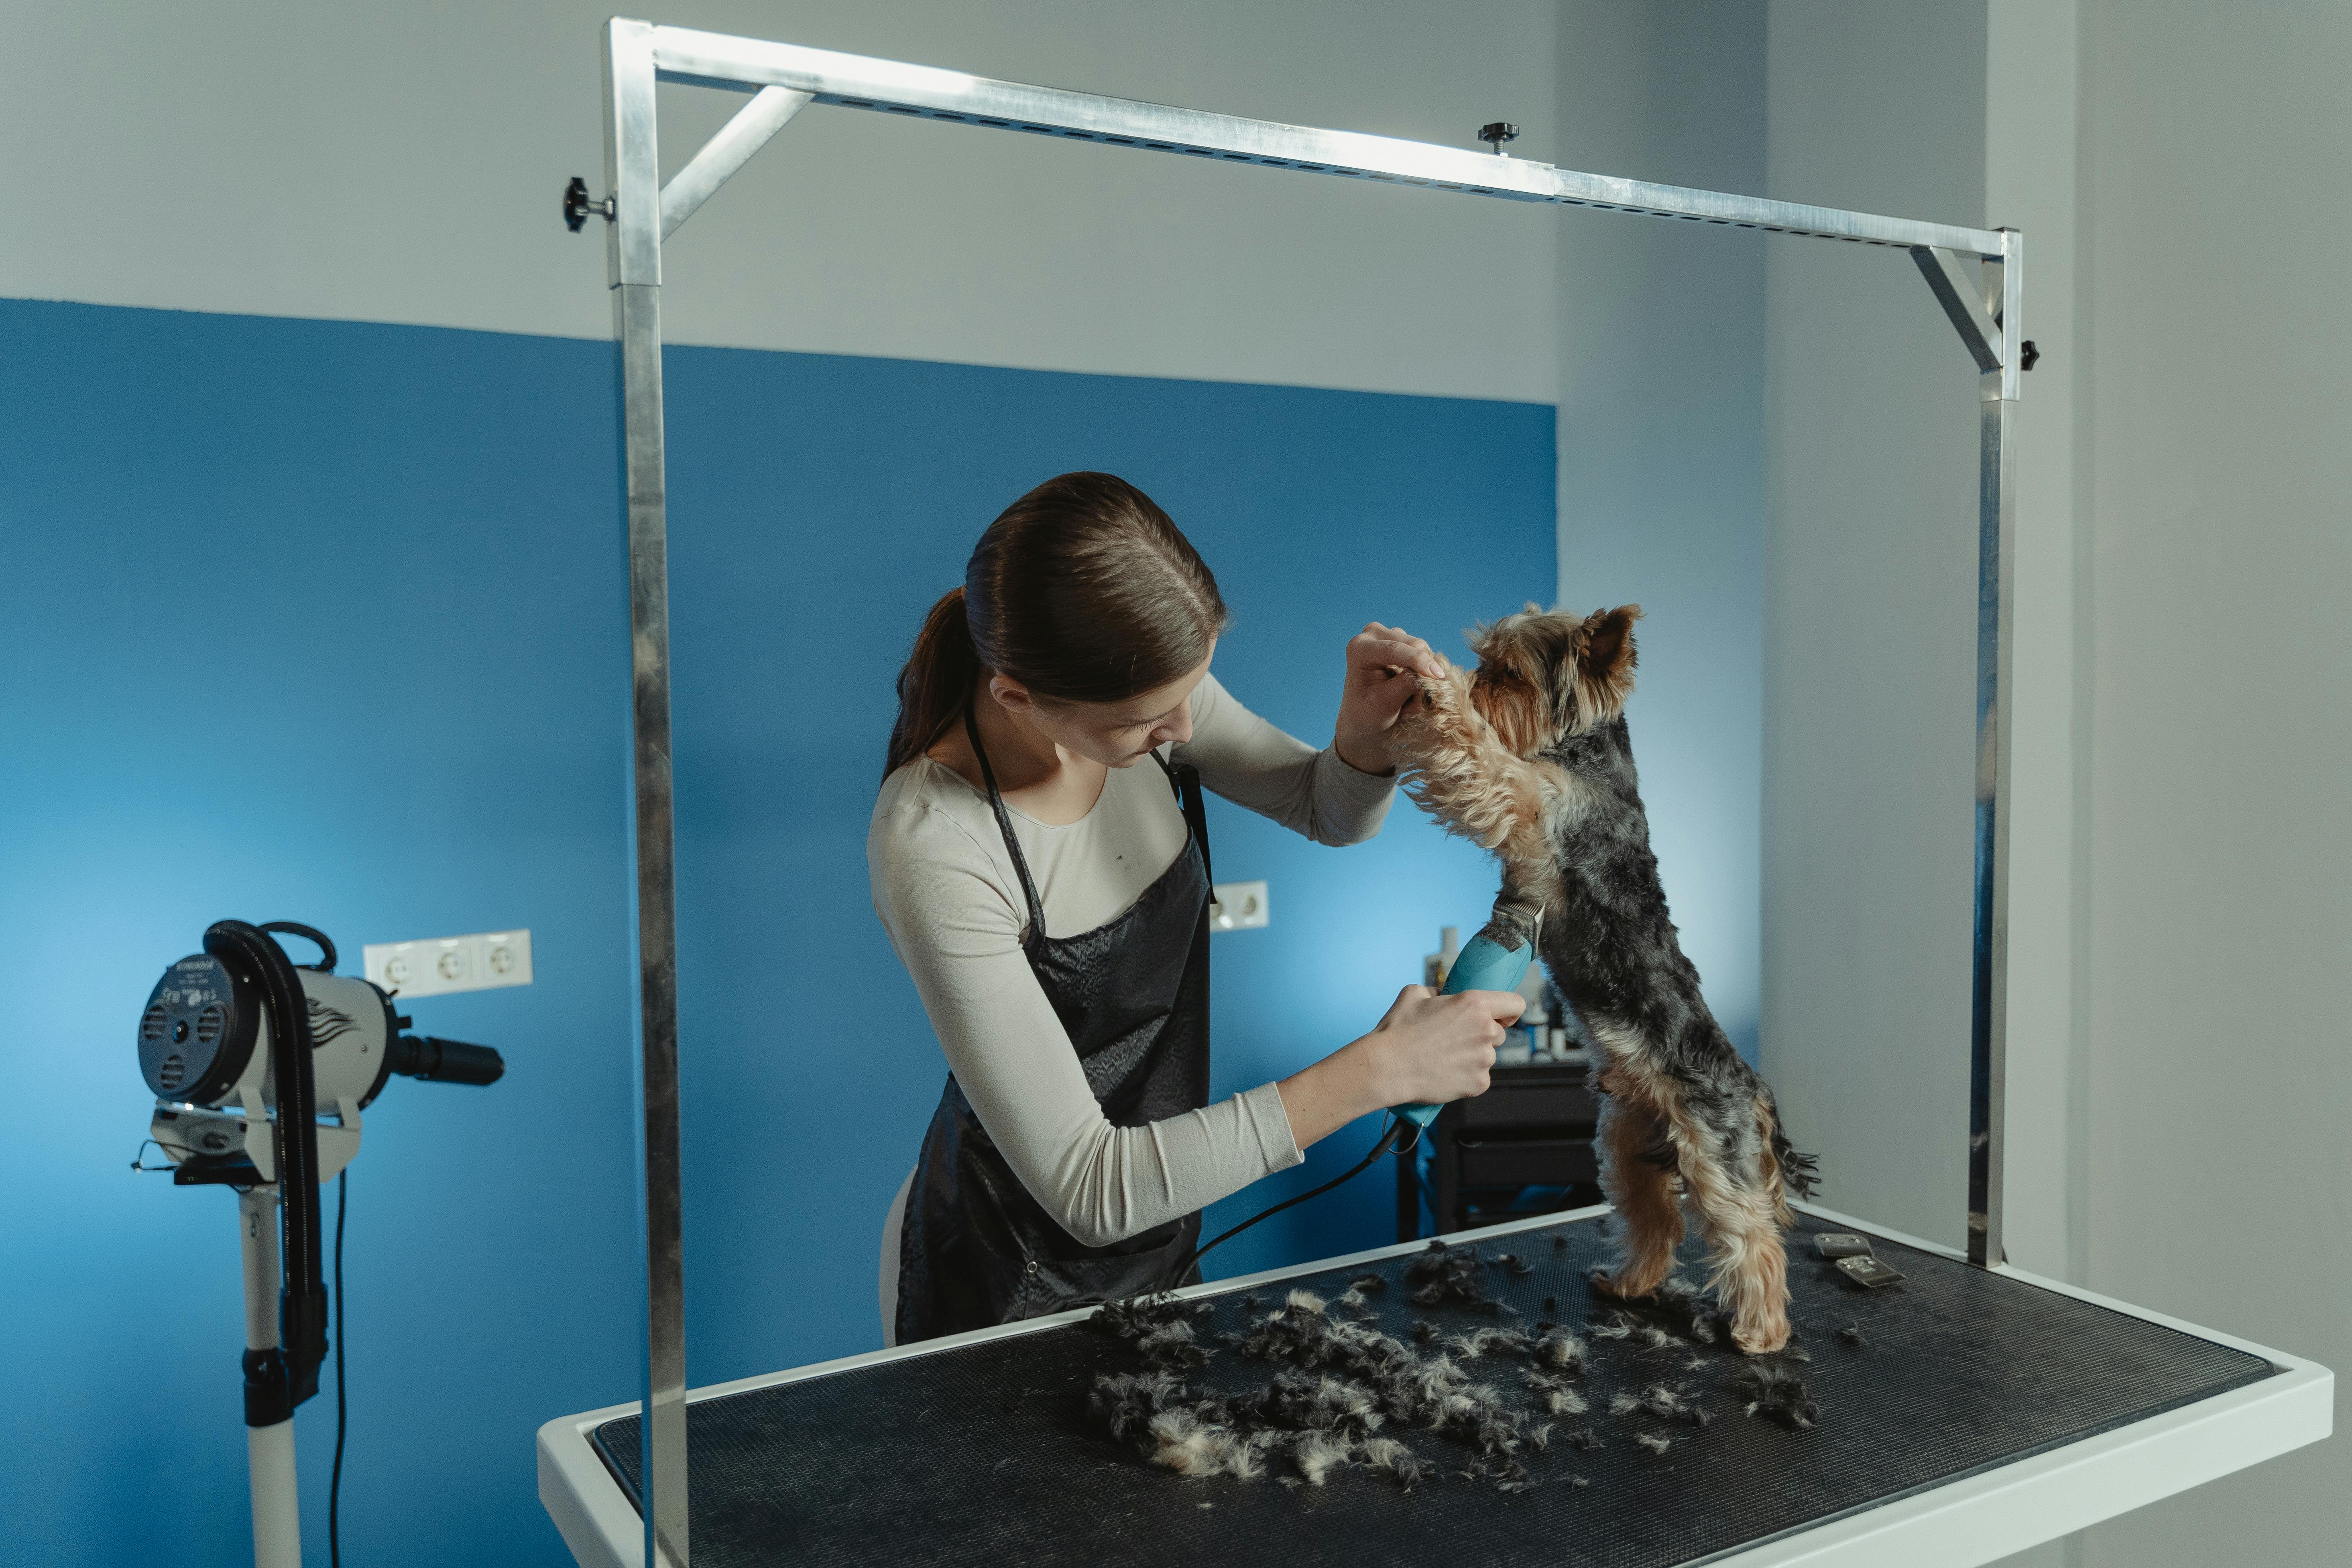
(1482,965)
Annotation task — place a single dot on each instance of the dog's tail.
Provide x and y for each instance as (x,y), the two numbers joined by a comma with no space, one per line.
(1790,1171)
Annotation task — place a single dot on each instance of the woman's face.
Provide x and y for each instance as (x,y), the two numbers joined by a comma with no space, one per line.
(1116,734)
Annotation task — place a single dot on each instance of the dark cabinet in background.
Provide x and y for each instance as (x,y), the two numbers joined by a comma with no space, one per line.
(1523,1147)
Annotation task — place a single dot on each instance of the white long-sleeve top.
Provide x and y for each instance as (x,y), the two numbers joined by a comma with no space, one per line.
(949,896)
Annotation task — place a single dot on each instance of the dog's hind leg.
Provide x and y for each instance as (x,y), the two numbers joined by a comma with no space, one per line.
(1637,1177)
(1733,1184)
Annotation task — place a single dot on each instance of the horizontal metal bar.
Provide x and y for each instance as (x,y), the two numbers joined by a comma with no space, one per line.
(855,81)
(1611,195)
(770,109)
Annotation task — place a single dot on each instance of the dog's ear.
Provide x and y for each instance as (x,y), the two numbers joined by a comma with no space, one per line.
(1604,663)
(1608,643)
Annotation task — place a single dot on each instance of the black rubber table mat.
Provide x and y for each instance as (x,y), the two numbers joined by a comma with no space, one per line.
(986,1454)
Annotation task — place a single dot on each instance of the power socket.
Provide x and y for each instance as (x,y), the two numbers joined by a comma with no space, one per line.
(1238,906)
(437,965)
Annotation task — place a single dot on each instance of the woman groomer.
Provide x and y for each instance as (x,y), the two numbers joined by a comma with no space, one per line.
(1050,898)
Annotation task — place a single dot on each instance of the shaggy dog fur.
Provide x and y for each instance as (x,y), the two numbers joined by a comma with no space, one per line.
(1529,758)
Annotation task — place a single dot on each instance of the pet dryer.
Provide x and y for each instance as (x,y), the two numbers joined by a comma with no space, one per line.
(236,1108)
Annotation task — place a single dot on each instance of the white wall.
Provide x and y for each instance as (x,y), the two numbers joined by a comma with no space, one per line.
(2031,123)
(1870,616)
(2219,342)
(1661,439)
(1965,114)
(2182,896)
(402,162)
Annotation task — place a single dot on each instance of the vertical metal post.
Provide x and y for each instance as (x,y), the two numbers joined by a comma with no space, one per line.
(1996,596)
(268,1450)
(632,170)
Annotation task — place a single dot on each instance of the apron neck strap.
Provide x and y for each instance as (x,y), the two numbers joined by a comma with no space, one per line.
(1004,819)
(1185,780)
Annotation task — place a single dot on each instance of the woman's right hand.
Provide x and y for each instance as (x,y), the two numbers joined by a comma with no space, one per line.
(1428,1050)
(1431,1050)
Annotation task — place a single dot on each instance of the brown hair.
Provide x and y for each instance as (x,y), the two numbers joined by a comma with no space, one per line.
(1083,591)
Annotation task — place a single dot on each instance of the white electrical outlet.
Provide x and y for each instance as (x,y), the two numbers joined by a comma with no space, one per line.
(440,964)
(1238,906)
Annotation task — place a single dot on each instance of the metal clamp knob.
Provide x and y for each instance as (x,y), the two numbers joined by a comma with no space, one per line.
(578,204)
(1497,133)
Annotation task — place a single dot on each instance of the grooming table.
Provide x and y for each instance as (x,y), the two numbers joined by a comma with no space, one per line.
(1987,1412)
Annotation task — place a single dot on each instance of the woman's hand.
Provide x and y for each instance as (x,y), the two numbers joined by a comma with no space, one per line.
(1428,1050)
(1381,664)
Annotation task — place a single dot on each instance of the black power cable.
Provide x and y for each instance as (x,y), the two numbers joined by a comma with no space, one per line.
(326,964)
(1387,1142)
(335,1487)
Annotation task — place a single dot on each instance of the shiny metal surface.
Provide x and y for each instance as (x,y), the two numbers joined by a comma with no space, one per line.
(256,1232)
(632,163)
(268,1450)
(1950,278)
(856,82)
(1997,299)
(638,323)
(769,111)
(2008,303)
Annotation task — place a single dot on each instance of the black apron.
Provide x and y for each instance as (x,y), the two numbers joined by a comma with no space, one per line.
(975,1249)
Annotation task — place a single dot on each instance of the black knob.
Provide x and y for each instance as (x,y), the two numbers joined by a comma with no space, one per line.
(1498,132)
(2030,357)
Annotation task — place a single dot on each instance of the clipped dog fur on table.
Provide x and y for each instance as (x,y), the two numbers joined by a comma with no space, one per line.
(1529,757)
(1343,1394)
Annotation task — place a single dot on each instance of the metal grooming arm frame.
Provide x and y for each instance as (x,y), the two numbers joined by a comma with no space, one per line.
(1975,274)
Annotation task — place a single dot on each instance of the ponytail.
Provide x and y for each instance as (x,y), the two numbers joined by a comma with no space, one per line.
(938,675)
(1083,590)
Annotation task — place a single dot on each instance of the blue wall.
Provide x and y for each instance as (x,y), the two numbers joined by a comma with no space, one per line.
(325,621)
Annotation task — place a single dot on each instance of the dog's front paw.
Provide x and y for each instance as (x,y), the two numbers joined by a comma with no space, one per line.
(1763,1336)
(1628,1284)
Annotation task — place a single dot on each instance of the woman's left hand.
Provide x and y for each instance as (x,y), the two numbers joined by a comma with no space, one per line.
(1381,664)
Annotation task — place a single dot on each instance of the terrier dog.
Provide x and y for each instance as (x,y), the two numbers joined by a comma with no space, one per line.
(1529,758)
